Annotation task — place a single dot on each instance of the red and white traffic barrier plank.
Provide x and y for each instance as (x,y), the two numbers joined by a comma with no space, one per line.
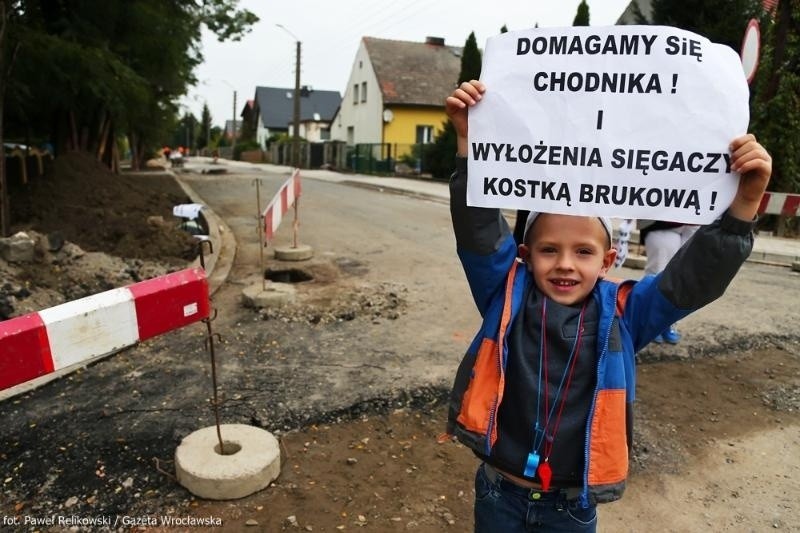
(76,332)
(283,200)
(779,203)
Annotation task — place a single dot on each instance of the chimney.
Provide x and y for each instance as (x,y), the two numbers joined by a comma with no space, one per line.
(434,41)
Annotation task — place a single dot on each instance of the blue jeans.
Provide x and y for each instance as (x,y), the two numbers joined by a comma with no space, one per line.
(504,507)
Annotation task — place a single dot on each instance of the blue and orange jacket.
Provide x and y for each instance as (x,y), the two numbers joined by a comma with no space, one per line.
(631,314)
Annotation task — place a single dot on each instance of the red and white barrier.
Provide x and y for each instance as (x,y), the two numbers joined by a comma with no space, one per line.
(779,203)
(74,333)
(284,199)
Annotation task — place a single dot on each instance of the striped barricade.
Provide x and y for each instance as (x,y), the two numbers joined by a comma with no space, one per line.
(284,199)
(74,333)
(779,203)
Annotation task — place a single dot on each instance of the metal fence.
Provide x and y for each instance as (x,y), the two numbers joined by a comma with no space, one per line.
(388,158)
(365,158)
(327,154)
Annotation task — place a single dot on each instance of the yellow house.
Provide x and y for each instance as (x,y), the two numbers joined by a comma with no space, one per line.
(394,98)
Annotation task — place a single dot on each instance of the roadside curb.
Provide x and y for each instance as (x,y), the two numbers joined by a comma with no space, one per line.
(394,190)
(220,261)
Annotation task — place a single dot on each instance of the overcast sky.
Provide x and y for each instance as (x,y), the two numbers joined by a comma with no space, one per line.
(331,30)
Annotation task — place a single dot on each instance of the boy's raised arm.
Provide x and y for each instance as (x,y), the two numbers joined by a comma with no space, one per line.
(702,269)
(456,106)
(483,238)
(754,164)
(478,230)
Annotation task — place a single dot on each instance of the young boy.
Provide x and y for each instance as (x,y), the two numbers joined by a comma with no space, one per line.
(544,393)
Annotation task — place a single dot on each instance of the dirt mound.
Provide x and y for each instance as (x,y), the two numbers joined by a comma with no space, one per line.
(66,272)
(105,212)
(94,231)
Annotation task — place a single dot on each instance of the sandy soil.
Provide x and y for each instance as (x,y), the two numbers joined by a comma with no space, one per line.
(716,450)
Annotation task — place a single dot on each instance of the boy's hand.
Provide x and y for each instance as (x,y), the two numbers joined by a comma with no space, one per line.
(467,94)
(754,165)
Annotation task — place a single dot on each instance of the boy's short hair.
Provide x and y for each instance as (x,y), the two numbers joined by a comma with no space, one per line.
(605,221)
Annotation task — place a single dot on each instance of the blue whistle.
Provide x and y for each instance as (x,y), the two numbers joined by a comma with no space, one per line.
(532,464)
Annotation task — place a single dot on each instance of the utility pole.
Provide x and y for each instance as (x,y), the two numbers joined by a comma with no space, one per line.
(233,133)
(296,113)
(233,127)
(296,118)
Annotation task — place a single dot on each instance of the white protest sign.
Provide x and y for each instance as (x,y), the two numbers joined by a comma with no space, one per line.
(622,121)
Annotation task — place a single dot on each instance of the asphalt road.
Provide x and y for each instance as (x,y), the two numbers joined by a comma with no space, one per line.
(368,245)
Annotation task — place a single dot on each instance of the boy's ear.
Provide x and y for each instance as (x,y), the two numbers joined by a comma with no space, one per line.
(608,261)
(523,251)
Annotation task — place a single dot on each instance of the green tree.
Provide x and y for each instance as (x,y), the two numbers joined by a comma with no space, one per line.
(248,126)
(119,68)
(218,139)
(8,53)
(722,21)
(204,136)
(470,60)
(582,15)
(87,73)
(775,93)
(439,154)
(776,107)
(184,131)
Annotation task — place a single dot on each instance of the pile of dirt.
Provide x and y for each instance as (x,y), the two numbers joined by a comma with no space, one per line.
(104,212)
(63,271)
(94,231)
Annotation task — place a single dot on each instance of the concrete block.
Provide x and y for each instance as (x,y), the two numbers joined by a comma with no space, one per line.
(250,461)
(635,261)
(272,294)
(300,253)
(19,248)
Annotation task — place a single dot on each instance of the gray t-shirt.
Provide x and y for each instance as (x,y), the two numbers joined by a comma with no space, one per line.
(517,414)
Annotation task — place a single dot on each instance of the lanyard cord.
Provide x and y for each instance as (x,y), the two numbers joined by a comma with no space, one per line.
(540,432)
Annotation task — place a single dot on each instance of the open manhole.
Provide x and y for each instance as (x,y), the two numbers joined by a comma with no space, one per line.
(290,275)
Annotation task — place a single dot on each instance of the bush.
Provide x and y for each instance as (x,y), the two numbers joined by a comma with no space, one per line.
(244,146)
(440,155)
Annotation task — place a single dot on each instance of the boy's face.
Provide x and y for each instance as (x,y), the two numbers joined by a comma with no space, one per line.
(567,255)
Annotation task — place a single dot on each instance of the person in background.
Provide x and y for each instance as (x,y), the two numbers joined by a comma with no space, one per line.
(623,238)
(661,241)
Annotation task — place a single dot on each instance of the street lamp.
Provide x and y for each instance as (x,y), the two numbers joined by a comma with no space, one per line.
(233,132)
(296,114)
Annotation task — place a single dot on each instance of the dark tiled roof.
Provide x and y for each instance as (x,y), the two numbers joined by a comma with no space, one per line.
(414,73)
(277,106)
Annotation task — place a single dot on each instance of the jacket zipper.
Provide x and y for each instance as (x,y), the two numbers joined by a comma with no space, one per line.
(493,409)
(584,499)
(502,343)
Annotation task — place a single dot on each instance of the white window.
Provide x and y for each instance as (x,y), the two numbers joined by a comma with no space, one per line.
(363,91)
(424,134)
(355,93)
